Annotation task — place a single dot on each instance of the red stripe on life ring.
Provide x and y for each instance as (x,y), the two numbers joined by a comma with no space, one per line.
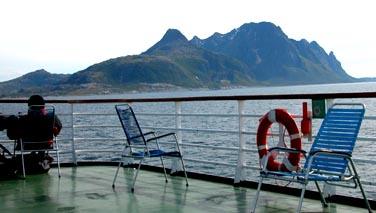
(283,117)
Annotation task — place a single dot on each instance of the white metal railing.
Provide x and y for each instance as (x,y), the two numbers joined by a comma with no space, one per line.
(80,130)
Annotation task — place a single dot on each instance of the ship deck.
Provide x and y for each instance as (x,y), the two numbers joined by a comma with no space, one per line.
(89,189)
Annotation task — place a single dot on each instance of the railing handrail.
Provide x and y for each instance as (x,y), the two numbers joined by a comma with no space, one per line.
(205,98)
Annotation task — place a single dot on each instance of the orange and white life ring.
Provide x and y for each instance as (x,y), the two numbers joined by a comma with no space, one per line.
(291,163)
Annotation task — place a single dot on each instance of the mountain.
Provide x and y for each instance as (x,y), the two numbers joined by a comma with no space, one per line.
(203,67)
(172,63)
(253,54)
(39,81)
(272,57)
(367,79)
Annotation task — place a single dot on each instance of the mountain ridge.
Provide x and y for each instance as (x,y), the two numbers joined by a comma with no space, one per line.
(270,53)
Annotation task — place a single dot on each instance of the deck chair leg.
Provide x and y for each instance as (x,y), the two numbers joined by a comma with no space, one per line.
(301,197)
(23,165)
(185,172)
(257,195)
(164,169)
(58,163)
(116,174)
(323,200)
(357,181)
(364,195)
(135,177)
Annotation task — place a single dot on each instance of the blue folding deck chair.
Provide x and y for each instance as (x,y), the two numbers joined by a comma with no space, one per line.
(139,144)
(330,157)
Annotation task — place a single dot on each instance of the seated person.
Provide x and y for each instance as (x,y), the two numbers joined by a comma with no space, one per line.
(36,126)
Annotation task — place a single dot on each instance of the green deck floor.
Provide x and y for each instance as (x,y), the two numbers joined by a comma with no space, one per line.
(88,189)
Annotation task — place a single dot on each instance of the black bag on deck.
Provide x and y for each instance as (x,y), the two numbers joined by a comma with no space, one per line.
(7,168)
(34,163)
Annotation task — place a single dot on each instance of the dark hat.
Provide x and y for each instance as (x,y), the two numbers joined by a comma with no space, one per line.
(35,100)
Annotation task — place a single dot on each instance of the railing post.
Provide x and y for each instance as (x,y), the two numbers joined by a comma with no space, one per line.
(329,103)
(240,171)
(74,159)
(178,121)
(176,166)
(281,137)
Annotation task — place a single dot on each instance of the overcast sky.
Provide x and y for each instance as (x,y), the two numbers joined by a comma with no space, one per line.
(67,36)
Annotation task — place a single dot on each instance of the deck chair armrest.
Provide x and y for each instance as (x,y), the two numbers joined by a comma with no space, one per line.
(145,134)
(282,149)
(160,136)
(288,150)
